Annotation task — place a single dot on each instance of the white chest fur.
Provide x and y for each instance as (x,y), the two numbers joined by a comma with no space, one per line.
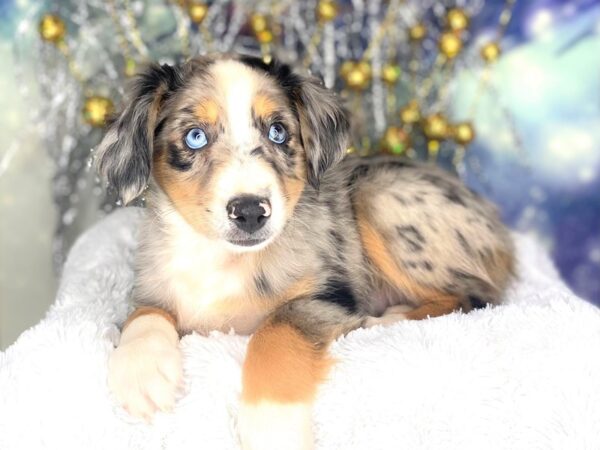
(206,285)
(212,289)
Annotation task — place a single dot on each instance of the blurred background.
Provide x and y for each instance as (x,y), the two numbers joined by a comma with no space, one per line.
(504,92)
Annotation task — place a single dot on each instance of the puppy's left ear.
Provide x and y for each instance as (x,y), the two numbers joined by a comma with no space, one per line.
(124,157)
(324,127)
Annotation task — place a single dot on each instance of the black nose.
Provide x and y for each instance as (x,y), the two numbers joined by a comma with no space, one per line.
(249,212)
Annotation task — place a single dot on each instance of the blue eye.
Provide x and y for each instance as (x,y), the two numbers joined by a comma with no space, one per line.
(277,133)
(196,138)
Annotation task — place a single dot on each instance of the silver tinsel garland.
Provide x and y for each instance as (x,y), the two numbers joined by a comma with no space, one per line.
(104,38)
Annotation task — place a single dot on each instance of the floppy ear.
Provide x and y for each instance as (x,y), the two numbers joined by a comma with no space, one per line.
(124,157)
(324,127)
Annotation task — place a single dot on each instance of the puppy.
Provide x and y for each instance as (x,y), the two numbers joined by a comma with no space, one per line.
(256,223)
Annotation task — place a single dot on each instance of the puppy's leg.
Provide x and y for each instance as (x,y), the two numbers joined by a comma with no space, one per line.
(432,302)
(144,371)
(286,361)
(438,245)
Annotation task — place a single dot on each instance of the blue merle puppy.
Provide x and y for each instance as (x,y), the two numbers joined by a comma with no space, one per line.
(257,223)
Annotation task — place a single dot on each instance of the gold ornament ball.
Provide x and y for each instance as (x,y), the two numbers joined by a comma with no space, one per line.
(490,52)
(52,28)
(357,79)
(433,147)
(264,36)
(457,19)
(345,68)
(327,10)
(365,68)
(96,110)
(356,74)
(259,23)
(464,133)
(197,12)
(390,73)
(435,127)
(417,32)
(410,113)
(450,45)
(395,141)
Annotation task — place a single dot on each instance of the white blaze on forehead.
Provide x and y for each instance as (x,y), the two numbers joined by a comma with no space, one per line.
(246,175)
(237,84)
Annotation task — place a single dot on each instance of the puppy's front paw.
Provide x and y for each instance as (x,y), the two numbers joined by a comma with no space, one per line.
(145,374)
(275,426)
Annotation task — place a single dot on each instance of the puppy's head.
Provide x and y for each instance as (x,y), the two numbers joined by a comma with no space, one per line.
(232,142)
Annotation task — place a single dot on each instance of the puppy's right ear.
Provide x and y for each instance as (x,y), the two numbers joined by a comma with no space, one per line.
(124,157)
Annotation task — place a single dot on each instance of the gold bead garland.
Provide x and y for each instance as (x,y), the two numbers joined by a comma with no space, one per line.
(435,126)
(52,28)
(390,73)
(417,32)
(457,19)
(356,74)
(197,11)
(261,27)
(490,52)
(96,110)
(258,22)
(463,133)
(327,10)
(410,113)
(450,44)
(395,141)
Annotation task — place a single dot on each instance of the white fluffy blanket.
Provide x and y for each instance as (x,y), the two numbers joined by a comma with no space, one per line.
(525,375)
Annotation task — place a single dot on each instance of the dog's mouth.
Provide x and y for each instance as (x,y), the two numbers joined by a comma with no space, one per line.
(246,242)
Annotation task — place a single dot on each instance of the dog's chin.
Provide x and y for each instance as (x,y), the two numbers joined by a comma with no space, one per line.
(248,245)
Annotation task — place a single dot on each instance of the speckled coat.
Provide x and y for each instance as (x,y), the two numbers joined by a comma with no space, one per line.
(348,242)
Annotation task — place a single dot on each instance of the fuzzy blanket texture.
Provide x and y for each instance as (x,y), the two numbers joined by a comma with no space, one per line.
(524,375)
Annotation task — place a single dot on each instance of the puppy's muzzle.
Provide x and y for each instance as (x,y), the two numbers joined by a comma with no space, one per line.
(248,212)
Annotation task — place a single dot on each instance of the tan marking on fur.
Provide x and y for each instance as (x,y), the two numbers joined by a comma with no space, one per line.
(208,112)
(282,366)
(264,106)
(293,189)
(189,192)
(148,310)
(301,288)
(433,302)
(437,306)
